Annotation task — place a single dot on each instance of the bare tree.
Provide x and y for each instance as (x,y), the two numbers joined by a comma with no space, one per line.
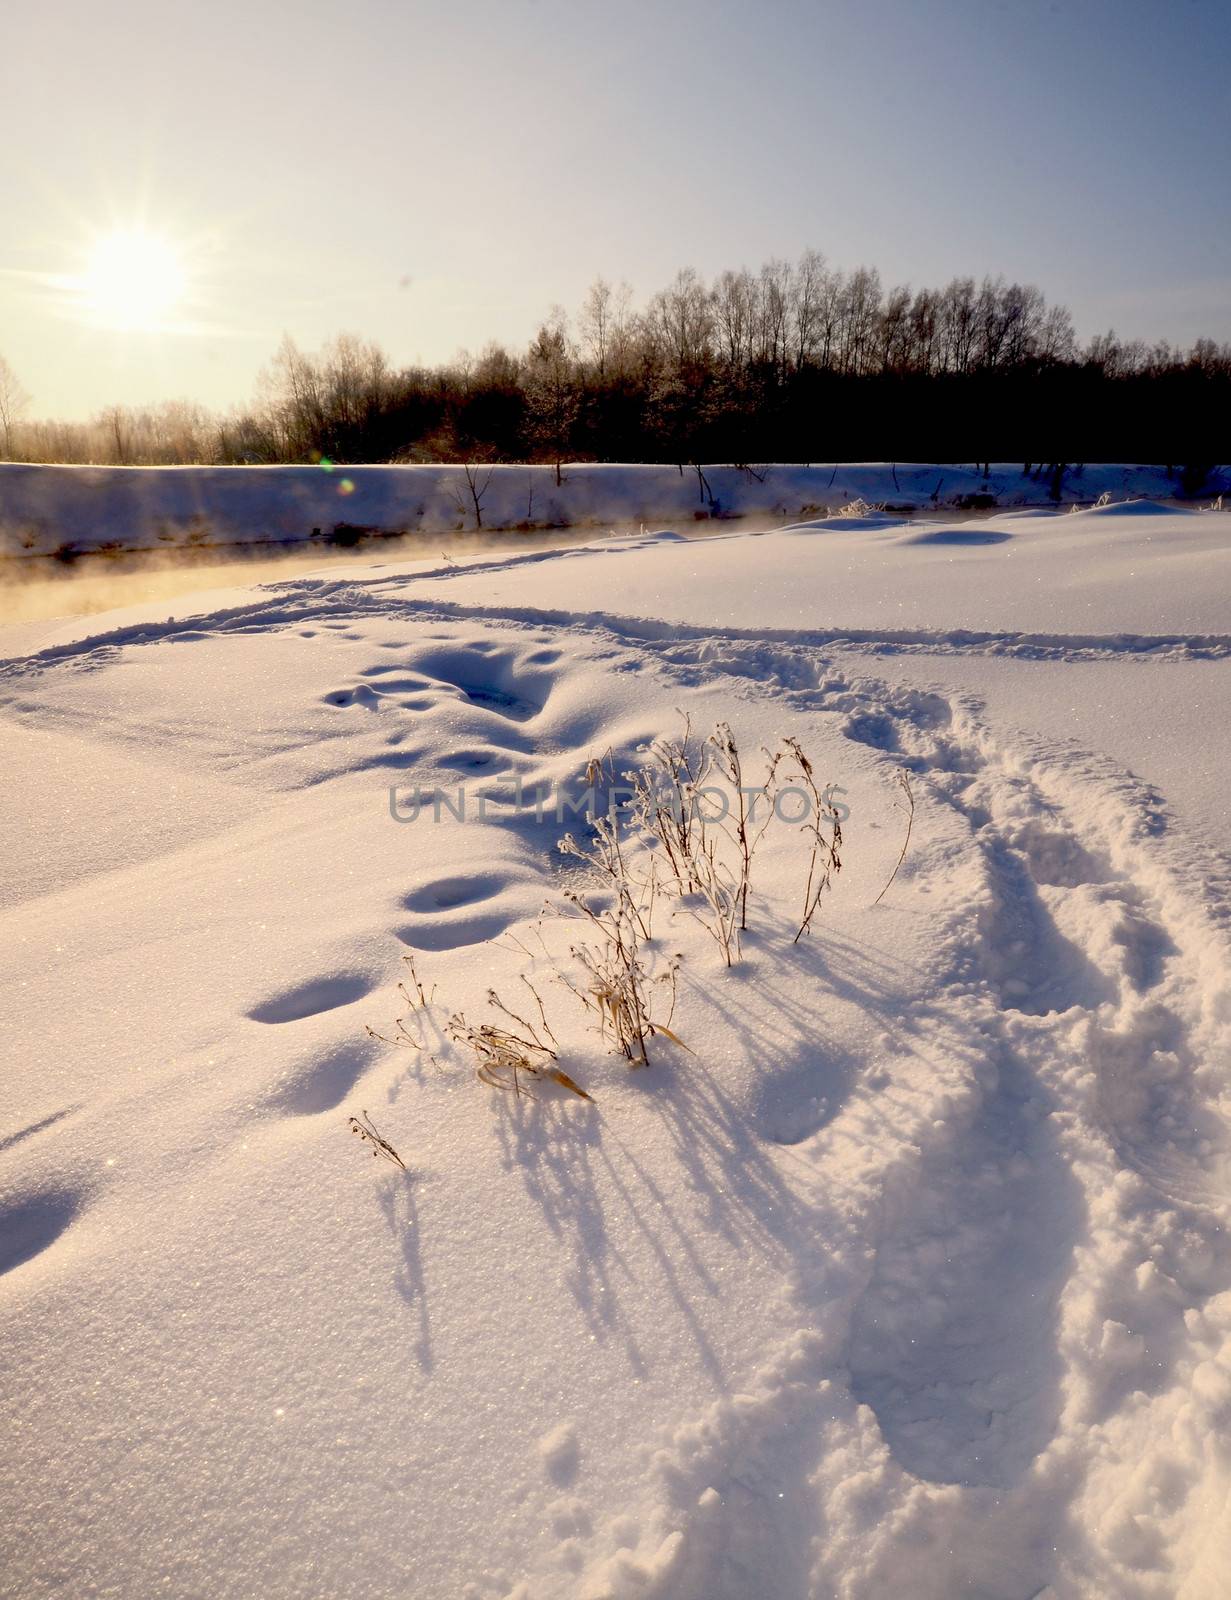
(895,330)
(478,481)
(595,323)
(775,300)
(551,390)
(733,306)
(807,296)
(13,401)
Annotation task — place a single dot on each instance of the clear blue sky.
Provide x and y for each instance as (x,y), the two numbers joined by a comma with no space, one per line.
(432,173)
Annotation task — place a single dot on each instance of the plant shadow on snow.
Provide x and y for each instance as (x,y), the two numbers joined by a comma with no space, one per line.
(594,1188)
(569,1161)
(397,1203)
(953,1342)
(32,1128)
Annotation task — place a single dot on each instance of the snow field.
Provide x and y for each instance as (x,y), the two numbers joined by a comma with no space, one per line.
(912,1277)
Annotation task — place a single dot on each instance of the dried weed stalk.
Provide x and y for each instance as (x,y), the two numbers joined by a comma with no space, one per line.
(729,762)
(903,782)
(616,984)
(826,860)
(665,801)
(419,1001)
(511,1054)
(709,852)
(362,1125)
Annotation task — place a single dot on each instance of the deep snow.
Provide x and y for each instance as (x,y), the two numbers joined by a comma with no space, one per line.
(911,1278)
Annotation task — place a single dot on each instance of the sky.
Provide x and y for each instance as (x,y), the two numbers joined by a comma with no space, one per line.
(432,174)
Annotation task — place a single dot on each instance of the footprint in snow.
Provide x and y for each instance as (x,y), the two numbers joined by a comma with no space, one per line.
(32,1224)
(323,1081)
(444,894)
(453,934)
(309,999)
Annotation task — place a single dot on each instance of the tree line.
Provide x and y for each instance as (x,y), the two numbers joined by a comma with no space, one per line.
(794,362)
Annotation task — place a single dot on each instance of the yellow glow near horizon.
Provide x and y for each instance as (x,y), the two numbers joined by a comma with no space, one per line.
(133,281)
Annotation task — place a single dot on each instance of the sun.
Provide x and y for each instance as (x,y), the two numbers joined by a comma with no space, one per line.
(133,281)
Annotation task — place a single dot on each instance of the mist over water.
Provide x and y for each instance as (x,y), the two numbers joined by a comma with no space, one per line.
(43,588)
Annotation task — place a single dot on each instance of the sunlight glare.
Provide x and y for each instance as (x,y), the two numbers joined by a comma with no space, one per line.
(133,280)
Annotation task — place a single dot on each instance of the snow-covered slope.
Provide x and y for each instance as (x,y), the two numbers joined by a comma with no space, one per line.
(908,1276)
(52,509)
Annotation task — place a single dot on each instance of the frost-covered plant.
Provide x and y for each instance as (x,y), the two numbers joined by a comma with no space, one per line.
(666,794)
(509,1053)
(616,987)
(859,507)
(604,865)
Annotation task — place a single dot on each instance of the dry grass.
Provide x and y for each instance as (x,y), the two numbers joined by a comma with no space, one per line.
(417,1002)
(903,781)
(515,1052)
(618,906)
(618,989)
(381,1148)
(729,763)
(666,802)
(825,861)
(668,841)
(859,507)
(708,852)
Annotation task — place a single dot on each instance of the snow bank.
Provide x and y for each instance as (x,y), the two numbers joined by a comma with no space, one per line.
(44,510)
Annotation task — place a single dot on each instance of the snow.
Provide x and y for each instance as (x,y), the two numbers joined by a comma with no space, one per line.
(909,1275)
(45,510)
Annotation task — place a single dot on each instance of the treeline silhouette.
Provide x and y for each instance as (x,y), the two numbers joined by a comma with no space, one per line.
(795,362)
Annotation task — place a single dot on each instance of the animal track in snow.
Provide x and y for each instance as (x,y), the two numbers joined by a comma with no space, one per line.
(1034,968)
(451,934)
(310,999)
(1054,856)
(1146,947)
(1152,1107)
(476,761)
(444,894)
(30,1225)
(795,1104)
(361,695)
(322,1082)
(491,676)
